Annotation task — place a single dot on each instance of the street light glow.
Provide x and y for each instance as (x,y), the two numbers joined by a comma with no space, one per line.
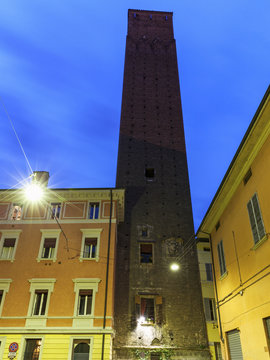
(33,192)
(174,267)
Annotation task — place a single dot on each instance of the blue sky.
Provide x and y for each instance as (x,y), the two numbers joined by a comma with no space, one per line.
(61,66)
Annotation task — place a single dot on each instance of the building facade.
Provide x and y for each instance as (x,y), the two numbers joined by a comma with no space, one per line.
(57,262)
(237,223)
(209,302)
(154,306)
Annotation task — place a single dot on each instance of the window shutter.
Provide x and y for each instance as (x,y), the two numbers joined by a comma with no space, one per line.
(234,345)
(207,309)
(258,216)
(252,222)
(267,324)
(159,310)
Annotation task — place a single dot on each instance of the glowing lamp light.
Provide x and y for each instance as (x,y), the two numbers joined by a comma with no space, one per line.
(141,319)
(33,192)
(174,267)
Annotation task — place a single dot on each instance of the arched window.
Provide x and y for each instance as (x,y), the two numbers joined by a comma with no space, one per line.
(81,350)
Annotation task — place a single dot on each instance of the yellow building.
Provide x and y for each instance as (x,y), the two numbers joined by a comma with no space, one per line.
(206,274)
(57,273)
(238,225)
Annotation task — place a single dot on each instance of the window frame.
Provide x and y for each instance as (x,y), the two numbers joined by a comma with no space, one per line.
(78,338)
(209,301)
(11,212)
(89,208)
(209,271)
(48,234)
(22,345)
(252,217)
(158,301)
(2,346)
(35,285)
(267,331)
(4,286)
(50,210)
(8,234)
(140,252)
(90,233)
(85,284)
(221,259)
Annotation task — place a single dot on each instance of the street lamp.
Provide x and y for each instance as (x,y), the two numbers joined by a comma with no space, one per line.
(174,267)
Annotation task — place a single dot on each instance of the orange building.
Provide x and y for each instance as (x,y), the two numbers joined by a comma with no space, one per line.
(57,273)
(238,225)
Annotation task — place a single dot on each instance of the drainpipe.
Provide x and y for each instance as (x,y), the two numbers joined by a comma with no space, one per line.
(214,276)
(107,277)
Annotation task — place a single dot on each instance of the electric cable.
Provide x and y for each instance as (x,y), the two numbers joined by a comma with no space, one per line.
(28,163)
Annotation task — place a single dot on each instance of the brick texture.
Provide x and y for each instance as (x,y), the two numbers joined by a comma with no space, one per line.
(152,137)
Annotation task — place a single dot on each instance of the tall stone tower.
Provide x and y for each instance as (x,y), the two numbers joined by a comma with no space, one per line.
(156,310)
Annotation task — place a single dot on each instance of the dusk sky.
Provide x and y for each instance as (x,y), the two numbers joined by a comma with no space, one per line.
(61,75)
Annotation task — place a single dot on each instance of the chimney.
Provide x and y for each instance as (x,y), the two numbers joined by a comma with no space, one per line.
(41,177)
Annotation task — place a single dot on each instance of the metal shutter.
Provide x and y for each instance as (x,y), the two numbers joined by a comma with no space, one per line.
(234,345)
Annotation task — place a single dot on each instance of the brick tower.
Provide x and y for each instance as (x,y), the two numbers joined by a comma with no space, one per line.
(156,310)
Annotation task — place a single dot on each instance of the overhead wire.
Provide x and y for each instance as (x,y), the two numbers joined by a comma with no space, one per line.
(17,137)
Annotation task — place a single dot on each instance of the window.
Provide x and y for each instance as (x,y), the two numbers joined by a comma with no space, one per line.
(206,249)
(93,211)
(32,349)
(49,244)
(155,356)
(16,212)
(221,258)
(218,352)
(85,302)
(234,345)
(146,253)
(266,322)
(90,244)
(55,210)
(8,248)
(80,349)
(84,307)
(247,176)
(40,302)
(48,248)
(149,174)
(40,290)
(255,219)
(209,273)
(4,288)
(210,309)
(8,244)
(148,309)
(144,231)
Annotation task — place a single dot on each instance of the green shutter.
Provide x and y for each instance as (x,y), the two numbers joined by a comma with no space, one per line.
(258,216)
(221,258)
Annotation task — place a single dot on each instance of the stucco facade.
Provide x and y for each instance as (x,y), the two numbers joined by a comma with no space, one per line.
(238,223)
(57,263)
(208,294)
